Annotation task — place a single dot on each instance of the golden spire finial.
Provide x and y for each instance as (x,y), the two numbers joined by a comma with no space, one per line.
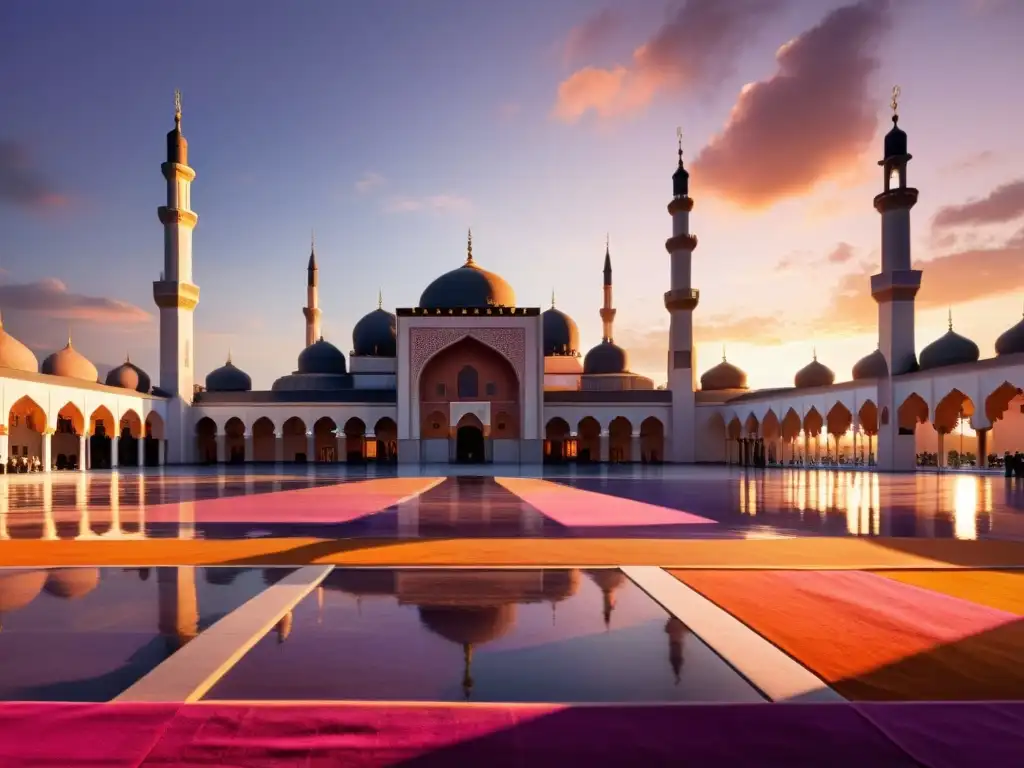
(469,246)
(895,103)
(380,298)
(177,105)
(950,318)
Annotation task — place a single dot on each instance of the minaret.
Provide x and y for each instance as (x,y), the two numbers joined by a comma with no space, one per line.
(680,302)
(896,285)
(607,311)
(894,289)
(175,293)
(312,308)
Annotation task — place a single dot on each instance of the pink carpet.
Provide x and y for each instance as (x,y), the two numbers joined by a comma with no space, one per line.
(578,508)
(541,736)
(339,503)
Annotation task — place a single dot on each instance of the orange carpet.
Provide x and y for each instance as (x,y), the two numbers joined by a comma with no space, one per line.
(814,553)
(877,639)
(1003,590)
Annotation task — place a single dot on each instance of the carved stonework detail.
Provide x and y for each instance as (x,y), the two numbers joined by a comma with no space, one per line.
(424,343)
(177,216)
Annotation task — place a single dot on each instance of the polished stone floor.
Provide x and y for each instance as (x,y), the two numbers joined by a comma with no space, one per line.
(675,502)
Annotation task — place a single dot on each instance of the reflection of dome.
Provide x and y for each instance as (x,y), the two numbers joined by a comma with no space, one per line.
(321,357)
(468,625)
(606,357)
(725,375)
(468,286)
(608,579)
(1011,341)
(72,582)
(871,366)
(949,349)
(14,354)
(374,335)
(560,585)
(228,378)
(361,582)
(70,363)
(561,336)
(19,588)
(814,374)
(129,376)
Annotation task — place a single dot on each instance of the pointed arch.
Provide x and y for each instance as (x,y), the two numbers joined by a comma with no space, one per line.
(868,418)
(791,425)
(234,441)
(293,439)
(734,429)
(951,409)
(355,435)
(264,440)
(70,420)
(325,440)
(386,433)
(589,439)
(910,413)
(652,440)
(770,426)
(838,420)
(66,443)
(556,439)
(468,382)
(206,441)
(435,425)
(751,425)
(620,440)
(997,403)
(813,422)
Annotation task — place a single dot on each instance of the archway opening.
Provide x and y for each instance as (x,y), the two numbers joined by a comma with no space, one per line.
(234,441)
(556,441)
(206,441)
(652,441)
(264,440)
(130,433)
(25,424)
(293,437)
(355,435)
(620,440)
(469,441)
(589,431)
(385,431)
(154,438)
(325,438)
(66,443)
(102,427)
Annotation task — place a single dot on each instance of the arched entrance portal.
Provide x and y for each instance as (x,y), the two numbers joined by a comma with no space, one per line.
(469,441)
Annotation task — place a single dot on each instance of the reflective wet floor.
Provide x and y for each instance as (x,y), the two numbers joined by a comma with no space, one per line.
(672,502)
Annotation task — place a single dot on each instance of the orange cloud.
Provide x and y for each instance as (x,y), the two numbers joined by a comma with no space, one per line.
(841,254)
(695,47)
(811,121)
(52,299)
(1005,203)
(21,183)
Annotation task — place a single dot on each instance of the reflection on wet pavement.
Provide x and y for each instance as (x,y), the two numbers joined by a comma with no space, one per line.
(86,634)
(511,635)
(740,504)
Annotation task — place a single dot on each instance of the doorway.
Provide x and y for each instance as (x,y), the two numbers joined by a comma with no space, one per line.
(469,445)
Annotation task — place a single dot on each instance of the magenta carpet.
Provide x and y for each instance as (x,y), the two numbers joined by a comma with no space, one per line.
(541,736)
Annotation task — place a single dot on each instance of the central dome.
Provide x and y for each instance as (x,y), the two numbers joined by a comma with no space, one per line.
(469,286)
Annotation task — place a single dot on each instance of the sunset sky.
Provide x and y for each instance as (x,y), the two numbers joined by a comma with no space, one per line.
(390,127)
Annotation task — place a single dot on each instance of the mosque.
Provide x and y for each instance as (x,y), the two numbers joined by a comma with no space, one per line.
(469,375)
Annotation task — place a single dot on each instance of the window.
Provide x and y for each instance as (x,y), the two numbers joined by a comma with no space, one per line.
(469,382)
(491,389)
(442,390)
(15,419)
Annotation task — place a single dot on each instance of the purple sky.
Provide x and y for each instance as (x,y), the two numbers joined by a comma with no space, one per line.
(390,127)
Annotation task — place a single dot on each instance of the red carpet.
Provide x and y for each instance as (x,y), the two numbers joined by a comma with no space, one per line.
(146,735)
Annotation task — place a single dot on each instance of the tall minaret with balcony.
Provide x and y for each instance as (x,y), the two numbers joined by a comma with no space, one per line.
(175,293)
(680,302)
(607,310)
(312,308)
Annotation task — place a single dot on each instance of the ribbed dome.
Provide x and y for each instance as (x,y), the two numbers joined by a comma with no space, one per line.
(321,357)
(14,354)
(70,363)
(949,349)
(725,375)
(70,583)
(871,366)
(228,378)
(561,336)
(375,335)
(1011,341)
(606,357)
(129,376)
(814,374)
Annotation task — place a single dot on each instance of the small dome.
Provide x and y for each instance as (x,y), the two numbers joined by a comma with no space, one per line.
(1011,341)
(465,625)
(561,584)
(14,354)
(228,378)
(375,335)
(871,366)
(70,363)
(606,357)
(321,357)
(468,286)
(70,583)
(895,140)
(129,376)
(949,349)
(814,374)
(561,336)
(725,375)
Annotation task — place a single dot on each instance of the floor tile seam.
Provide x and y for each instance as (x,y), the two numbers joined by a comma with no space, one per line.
(768,668)
(266,609)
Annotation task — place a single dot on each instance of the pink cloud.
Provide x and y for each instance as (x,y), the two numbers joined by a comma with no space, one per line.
(52,299)
(811,121)
(1005,203)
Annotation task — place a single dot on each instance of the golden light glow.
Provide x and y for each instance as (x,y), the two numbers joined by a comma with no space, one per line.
(965,507)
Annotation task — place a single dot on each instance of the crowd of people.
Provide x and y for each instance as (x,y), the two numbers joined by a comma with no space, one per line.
(20,464)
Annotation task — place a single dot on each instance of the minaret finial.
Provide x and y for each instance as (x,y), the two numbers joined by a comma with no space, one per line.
(380,298)
(229,356)
(552,298)
(814,353)
(950,318)
(469,246)
(127,356)
(177,106)
(723,353)
(895,103)
(312,239)
(607,243)
(679,139)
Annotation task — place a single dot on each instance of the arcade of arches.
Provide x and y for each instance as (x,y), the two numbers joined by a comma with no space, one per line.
(294,441)
(622,442)
(99,442)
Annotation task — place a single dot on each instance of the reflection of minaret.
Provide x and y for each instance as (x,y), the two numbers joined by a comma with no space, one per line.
(609,580)
(49,524)
(178,605)
(312,308)
(607,311)
(676,631)
(284,627)
(4,505)
(467,671)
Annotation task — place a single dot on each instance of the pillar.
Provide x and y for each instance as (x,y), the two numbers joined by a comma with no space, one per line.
(982,448)
(604,445)
(115,446)
(140,443)
(161,451)
(279,447)
(248,447)
(635,447)
(310,447)
(47,449)
(221,440)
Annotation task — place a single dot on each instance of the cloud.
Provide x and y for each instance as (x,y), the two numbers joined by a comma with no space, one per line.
(841,254)
(21,183)
(369,181)
(430,203)
(972,161)
(695,47)
(51,298)
(1003,204)
(810,121)
(592,35)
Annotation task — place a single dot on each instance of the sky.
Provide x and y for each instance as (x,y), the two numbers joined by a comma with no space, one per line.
(390,128)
